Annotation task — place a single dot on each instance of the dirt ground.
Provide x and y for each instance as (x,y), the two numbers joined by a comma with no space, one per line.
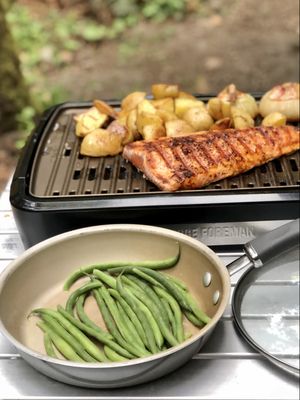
(252,43)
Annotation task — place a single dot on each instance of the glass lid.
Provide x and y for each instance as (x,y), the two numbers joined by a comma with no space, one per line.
(265,306)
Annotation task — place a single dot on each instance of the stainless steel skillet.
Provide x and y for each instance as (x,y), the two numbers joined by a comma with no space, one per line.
(35,279)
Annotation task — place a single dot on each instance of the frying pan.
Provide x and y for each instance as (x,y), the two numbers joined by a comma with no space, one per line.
(35,279)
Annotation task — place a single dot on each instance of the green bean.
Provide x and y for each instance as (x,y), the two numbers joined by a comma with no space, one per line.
(184,298)
(113,355)
(179,331)
(113,329)
(151,294)
(194,320)
(64,348)
(141,314)
(83,289)
(86,320)
(170,315)
(167,334)
(48,344)
(177,282)
(64,334)
(106,278)
(92,332)
(118,318)
(146,277)
(131,315)
(135,336)
(87,344)
(159,339)
(154,264)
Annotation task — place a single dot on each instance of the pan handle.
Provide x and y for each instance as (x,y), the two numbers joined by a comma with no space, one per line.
(265,247)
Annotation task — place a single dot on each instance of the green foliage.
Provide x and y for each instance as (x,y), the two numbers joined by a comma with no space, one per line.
(51,42)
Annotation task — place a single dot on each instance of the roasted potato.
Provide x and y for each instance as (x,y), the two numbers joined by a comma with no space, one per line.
(145,119)
(151,132)
(104,108)
(186,95)
(241,119)
(247,103)
(131,124)
(164,104)
(178,127)
(220,107)
(132,100)
(214,107)
(101,143)
(183,104)
(146,106)
(198,118)
(89,120)
(274,119)
(221,124)
(166,115)
(117,128)
(161,90)
(282,98)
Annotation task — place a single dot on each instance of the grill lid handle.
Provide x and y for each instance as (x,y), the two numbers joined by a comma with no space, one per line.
(265,247)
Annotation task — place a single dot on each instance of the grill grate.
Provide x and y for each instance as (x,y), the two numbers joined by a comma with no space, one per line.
(59,169)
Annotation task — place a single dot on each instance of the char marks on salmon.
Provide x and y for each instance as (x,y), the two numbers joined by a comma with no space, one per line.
(194,161)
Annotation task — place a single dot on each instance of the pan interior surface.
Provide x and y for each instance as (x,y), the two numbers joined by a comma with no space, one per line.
(36,279)
(269,319)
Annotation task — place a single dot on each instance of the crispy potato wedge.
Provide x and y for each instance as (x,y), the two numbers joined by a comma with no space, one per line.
(100,143)
(198,118)
(178,127)
(132,100)
(183,104)
(104,108)
(166,104)
(162,90)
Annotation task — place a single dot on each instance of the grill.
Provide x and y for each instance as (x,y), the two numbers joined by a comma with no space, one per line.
(55,188)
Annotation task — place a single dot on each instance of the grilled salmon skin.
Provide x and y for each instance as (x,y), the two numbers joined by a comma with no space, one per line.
(194,161)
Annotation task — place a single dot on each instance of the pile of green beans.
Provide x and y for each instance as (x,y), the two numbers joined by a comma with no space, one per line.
(143,310)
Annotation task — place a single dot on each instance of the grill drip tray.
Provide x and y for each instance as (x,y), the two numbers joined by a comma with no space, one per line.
(59,169)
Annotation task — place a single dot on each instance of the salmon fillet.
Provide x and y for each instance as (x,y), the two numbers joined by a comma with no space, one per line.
(194,161)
